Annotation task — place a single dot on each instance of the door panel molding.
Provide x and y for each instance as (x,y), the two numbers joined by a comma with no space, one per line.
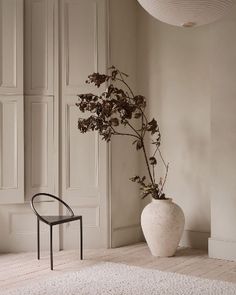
(11,47)
(81,22)
(39,147)
(11,150)
(86,155)
(39,47)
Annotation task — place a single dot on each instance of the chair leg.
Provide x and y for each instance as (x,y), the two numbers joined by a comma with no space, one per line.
(81,239)
(38,238)
(51,254)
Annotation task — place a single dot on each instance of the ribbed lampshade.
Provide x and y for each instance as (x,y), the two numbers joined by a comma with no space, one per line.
(187,13)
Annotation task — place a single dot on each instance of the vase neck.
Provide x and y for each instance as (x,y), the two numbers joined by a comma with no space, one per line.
(168,200)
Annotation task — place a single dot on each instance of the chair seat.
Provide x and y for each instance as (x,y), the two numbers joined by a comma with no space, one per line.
(53,220)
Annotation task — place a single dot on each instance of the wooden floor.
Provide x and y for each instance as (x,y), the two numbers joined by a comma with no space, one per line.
(21,269)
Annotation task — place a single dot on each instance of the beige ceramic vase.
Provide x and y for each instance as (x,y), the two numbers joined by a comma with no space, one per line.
(162,223)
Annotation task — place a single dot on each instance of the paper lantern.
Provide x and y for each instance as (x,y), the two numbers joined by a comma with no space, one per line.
(187,13)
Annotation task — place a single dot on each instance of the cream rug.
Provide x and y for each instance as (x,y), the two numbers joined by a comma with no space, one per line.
(120,279)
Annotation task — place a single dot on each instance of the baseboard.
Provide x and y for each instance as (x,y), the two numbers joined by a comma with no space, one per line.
(221,249)
(132,234)
(195,239)
(126,235)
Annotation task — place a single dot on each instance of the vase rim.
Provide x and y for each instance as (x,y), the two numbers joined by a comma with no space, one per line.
(166,200)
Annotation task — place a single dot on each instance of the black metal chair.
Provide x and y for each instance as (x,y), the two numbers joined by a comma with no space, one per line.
(54,220)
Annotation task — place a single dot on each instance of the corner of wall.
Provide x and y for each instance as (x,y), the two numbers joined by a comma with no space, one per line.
(195,239)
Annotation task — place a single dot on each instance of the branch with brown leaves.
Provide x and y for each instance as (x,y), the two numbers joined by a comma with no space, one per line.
(117,107)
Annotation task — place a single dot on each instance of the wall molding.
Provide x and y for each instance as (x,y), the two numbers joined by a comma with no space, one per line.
(39,177)
(69,85)
(11,134)
(94,187)
(11,14)
(39,64)
(126,235)
(133,234)
(221,249)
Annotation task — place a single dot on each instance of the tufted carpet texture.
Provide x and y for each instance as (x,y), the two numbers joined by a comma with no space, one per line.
(119,279)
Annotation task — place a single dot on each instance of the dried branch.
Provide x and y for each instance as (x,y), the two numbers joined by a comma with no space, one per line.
(117,107)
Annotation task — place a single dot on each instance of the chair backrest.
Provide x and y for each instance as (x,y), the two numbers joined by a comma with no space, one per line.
(50,196)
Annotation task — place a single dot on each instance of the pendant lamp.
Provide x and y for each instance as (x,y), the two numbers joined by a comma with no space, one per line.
(187,13)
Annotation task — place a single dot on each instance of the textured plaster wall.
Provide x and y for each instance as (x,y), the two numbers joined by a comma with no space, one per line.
(223,137)
(188,76)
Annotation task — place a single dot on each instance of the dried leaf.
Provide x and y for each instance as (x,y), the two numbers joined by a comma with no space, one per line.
(153,160)
(152,126)
(139,145)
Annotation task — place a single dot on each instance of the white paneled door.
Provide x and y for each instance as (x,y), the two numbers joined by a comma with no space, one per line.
(41,149)
(84,156)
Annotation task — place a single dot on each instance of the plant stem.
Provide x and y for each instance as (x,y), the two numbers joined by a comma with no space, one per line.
(153,173)
(163,184)
(155,151)
(166,166)
(163,161)
(131,91)
(127,134)
(143,134)
(122,80)
(143,117)
(146,160)
(134,129)
(141,137)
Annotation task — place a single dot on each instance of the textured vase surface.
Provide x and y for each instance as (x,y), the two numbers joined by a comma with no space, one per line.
(162,223)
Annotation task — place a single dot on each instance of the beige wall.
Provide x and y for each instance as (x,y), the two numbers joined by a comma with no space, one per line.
(188,75)
(173,74)
(223,138)
(125,201)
